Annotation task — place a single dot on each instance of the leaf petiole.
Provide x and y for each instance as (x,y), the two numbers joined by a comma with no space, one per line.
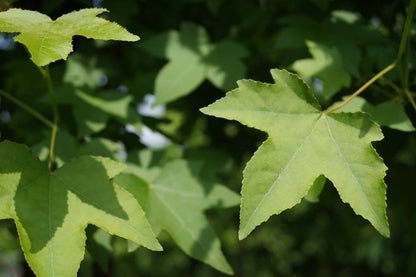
(47,76)
(362,88)
(28,109)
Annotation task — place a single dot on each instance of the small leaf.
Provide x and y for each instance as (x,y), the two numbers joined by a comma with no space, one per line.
(92,111)
(52,210)
(325,64)
(389,113)
(224,65)
(49,41)
(192,59)
(303,144)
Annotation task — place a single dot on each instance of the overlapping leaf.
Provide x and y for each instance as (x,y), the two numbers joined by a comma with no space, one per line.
(50,40)
(334,46)
(52,210)
(67,147)
(303,144)
(192,59)
(326,64)
(175,197)
(390,114)
(92,111)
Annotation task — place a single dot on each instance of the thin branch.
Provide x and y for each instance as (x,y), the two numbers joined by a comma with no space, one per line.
(406,30)
(361,89)
(27,108)
(47,76)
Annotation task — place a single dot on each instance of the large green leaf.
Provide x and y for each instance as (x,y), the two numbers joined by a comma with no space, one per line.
(50,40)
(303,143)
(192,59)
(52,210)
(175,197)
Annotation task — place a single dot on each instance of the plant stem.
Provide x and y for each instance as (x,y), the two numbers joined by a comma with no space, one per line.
(27,108)
(411,100)
(362,88)
(403,55)
(47,76)
(406,30)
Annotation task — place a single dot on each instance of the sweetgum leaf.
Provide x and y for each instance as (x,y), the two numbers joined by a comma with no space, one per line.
(177,194)
(192,59)
(50,40)
(52,210)
(325,64)
(303,144)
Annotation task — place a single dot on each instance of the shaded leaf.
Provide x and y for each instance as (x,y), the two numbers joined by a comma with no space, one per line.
(92,111)
(325,64)
(389,113)
(52,210)
(178,193)
(192,59)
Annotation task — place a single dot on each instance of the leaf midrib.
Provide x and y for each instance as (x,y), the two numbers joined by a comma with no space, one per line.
(350,169)
(250,219)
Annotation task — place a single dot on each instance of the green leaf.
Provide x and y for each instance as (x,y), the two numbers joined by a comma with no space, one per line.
(92,110)
(316,189)
(224,65)
(67,147)
(52,210)
(81,71)
(303,144)
(389,113)
(192,59)
(49,41)
(325,64)
(177,195)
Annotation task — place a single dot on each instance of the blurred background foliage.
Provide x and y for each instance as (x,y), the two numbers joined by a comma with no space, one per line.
(105,92)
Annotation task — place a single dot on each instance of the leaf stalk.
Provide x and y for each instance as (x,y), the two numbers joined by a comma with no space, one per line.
(28,109)
(362,88)
(403,56)
(48,79)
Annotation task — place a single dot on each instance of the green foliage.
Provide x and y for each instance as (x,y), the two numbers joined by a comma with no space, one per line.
(325,64)
(51,211)
(390,114)
(82,129)
(175,199)
(303,143)
(49,41)
(192,59)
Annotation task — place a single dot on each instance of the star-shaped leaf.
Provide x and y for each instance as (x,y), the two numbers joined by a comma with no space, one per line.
(52,210)
(192,59)
(303,144)
(50,40)
(175,197)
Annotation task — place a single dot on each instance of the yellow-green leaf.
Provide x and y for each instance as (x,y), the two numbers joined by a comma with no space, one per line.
(303,144)
(50,40)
